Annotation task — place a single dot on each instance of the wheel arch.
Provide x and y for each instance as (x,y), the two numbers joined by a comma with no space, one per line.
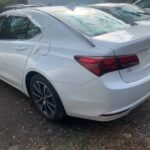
(28,78)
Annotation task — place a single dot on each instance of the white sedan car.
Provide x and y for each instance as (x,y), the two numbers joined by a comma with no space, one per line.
(79,62)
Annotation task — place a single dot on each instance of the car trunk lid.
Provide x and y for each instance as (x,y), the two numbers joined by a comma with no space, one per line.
(134,40)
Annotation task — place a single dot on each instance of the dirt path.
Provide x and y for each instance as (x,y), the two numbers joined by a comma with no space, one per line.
(23,128)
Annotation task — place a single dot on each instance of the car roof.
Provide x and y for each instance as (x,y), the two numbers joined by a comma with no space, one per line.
(46,9)
(49,9)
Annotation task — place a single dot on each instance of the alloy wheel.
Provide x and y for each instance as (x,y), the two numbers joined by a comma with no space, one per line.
(43,98)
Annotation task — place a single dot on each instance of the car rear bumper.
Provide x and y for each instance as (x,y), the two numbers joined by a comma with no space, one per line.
(104,99)
(122,111)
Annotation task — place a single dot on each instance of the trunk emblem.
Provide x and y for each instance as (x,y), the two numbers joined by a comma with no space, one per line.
(129,70)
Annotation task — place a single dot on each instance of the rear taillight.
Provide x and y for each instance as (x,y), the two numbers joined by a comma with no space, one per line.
(102,65)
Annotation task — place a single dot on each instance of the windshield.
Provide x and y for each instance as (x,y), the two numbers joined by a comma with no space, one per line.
(132,12)
(90,22)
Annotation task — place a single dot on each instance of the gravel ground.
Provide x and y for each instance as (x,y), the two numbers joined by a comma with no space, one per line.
(23,128)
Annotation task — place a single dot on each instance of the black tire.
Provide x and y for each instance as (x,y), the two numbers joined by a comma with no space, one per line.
(46,98)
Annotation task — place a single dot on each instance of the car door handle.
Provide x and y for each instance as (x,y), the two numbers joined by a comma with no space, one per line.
(21,48)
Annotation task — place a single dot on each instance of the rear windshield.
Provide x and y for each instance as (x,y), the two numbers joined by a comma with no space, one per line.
(90,22)
(132,12)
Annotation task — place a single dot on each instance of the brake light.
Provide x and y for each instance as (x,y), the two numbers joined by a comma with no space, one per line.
(102,65)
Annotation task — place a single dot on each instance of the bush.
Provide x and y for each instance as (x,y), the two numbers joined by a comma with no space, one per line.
(4,3)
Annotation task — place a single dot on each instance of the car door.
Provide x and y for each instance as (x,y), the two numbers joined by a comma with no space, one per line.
(21,37)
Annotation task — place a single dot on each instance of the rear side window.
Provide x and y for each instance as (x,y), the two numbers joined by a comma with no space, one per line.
(32,30)
(20,28)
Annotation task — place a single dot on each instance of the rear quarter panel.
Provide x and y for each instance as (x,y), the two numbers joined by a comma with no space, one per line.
(58,65)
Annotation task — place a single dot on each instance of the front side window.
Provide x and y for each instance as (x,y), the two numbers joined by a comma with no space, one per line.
(89,21)
(20,28)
